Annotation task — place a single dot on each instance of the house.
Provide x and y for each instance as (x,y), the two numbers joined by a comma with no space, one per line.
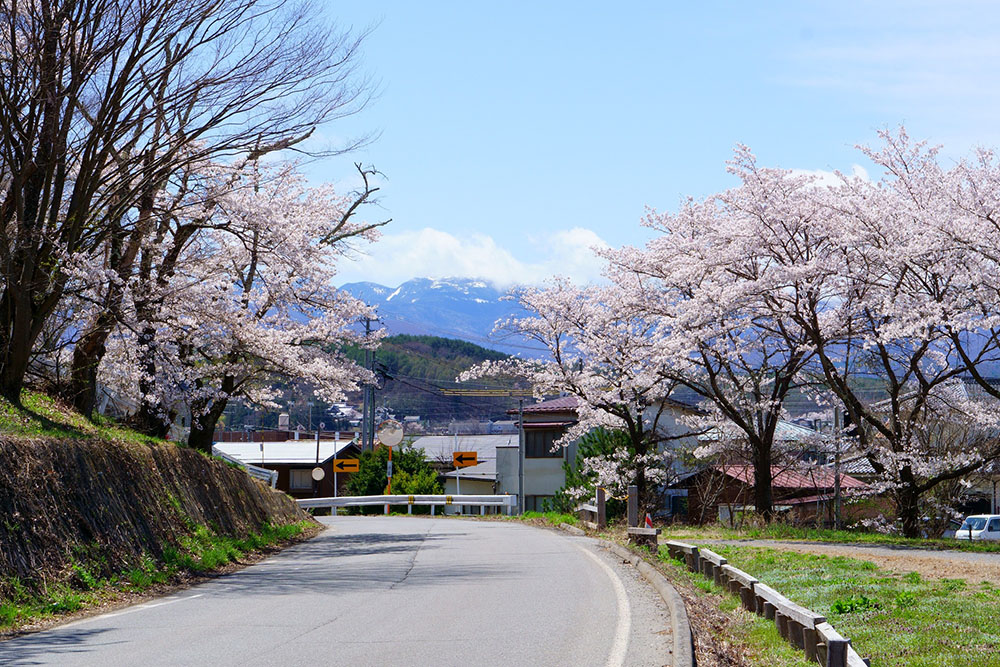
(438,449)
(477,480)
(294,461)
(803,489)
(546,422)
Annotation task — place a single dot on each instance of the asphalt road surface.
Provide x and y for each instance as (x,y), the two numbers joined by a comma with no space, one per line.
(388,591)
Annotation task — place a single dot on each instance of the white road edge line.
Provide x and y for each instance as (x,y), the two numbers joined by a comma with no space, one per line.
(130,610)
(619,647)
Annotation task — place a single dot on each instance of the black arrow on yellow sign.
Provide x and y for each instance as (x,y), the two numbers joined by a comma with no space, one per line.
(346,465)
(464,459)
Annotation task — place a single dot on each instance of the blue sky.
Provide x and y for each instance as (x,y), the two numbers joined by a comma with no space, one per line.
(515,136)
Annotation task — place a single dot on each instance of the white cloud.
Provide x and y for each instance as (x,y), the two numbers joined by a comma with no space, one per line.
(432,253)
(831,178)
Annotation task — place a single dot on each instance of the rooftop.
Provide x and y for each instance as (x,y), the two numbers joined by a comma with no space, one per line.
(806,477)
(441,447)
(289,451)
(486,471)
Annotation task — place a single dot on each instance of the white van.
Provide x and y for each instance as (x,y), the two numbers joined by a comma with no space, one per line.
(979,527)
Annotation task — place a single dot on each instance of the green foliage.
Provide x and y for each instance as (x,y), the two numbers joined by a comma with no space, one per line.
(894,619)
(599,442)
(421,482)
(415,360)
(853,604)
(410,471)
(555,518)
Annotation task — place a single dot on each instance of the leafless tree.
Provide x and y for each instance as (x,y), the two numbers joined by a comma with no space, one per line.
(101,101)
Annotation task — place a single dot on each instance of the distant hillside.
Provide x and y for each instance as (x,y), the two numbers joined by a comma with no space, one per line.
(417,367)
(453,308)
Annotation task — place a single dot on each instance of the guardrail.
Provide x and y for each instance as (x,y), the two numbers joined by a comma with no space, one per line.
(593,515)
(263,474)
(434,501)
(801,627)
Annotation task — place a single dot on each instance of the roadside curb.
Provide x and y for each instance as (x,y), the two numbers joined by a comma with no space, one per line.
(573,530)
(683,636)
(683,651)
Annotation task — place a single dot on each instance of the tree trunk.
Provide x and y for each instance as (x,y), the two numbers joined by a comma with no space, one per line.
(203,426)
(908,500)
(205,414)
(87,355)
(763,497)
(150,419)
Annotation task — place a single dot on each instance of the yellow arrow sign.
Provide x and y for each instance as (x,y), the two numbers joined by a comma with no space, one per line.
(464,459)
(346,465)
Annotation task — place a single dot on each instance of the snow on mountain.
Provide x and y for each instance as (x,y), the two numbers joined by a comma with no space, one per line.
(449,307)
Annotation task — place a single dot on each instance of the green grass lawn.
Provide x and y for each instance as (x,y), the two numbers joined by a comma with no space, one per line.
(754,638)
(43,416)
(780,531)
(892,619)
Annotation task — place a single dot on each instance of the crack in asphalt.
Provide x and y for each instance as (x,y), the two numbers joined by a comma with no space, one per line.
(413,558)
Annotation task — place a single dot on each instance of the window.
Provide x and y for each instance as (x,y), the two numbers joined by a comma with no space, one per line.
(299,479)
(994,525)
(538,444)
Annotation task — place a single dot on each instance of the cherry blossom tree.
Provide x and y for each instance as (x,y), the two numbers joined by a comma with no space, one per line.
(247,298)
(101,101)
(712,282)
(909,313)
(604,354)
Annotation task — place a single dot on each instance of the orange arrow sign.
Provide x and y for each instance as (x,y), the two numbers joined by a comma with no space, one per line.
(464,459)
(346,465)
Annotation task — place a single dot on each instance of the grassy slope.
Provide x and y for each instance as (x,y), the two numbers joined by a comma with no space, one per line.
(43,416)
(202,551)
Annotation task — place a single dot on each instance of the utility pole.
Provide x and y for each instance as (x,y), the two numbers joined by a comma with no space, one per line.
(520,454)
(368,398)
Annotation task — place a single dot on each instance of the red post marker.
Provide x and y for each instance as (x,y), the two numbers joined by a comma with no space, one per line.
(649,522)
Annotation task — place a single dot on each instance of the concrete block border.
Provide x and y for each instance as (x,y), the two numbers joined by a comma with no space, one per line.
(801,627)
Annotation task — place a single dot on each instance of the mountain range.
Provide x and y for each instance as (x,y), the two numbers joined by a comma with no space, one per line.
(459,308)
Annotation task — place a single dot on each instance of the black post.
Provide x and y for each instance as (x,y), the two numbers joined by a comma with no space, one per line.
(633,506)
(602,517)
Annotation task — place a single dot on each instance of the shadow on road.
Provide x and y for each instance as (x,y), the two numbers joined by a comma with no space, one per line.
(344,563)
(30,649)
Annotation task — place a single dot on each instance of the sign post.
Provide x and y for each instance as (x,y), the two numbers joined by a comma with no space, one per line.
(390,434)
(315,478)
(462,460)
(343,465)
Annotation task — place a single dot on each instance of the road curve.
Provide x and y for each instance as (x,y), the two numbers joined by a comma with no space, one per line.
(388,591)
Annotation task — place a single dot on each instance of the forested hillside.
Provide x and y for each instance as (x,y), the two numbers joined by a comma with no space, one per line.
(416,368)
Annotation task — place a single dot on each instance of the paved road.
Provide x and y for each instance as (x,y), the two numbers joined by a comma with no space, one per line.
(388,591)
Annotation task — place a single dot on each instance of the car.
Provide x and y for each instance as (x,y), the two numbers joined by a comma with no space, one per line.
(979,527)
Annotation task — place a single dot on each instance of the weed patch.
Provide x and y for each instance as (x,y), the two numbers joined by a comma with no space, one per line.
(892,618)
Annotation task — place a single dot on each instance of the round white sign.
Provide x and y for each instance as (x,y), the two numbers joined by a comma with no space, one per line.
(318,474)
(390,432)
